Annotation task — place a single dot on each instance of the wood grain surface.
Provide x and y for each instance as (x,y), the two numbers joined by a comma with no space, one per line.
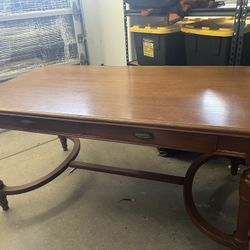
(212,99)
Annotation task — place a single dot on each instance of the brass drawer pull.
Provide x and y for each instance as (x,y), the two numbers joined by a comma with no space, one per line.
(142,135)
(27,122)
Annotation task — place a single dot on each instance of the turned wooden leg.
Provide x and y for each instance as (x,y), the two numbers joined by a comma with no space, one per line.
(63,141)
(235,163)
(3,198)
(241,235)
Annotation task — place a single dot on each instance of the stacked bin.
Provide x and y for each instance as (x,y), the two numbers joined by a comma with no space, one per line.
(208,42)
(159,44)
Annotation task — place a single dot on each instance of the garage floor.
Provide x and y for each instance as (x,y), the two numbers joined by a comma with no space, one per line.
(86,210)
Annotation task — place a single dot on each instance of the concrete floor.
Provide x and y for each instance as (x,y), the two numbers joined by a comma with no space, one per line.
(94,211)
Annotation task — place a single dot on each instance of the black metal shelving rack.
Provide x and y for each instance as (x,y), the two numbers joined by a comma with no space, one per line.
(240,12)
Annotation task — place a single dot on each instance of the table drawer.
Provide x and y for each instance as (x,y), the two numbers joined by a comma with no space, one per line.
(162,138)
(42,125)
(234,145)
(169,139)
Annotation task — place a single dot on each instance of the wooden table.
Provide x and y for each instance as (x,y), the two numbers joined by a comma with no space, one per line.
(200,109)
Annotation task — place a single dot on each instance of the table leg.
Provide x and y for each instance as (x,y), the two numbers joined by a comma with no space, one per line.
(241,236)
(3,198)
(235,163)
(63,141)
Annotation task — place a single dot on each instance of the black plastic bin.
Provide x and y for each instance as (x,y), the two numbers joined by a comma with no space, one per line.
(209,43)
(159,45)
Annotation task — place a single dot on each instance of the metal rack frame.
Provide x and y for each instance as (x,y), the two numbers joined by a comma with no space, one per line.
(75,10)
(240,12)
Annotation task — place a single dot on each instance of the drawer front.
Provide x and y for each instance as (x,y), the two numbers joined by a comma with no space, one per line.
(155,137)
(169,139)
(234,144)
(42,125)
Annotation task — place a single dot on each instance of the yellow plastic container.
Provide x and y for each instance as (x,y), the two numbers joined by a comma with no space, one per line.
(159,44)
(191,20)
(157,28)
(221,27)
(208,41)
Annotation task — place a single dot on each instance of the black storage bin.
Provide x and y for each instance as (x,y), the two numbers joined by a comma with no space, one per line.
(209,43)
(159,45)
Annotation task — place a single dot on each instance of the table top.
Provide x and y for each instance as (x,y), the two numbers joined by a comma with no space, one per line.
(211,99)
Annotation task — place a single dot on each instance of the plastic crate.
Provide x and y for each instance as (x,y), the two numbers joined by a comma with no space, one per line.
(208,42)
(159,44)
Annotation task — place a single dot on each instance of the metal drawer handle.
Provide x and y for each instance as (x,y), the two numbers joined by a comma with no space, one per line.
(26,122)
(142,135)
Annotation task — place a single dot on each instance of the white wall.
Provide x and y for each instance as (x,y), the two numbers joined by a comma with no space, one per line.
(105,31)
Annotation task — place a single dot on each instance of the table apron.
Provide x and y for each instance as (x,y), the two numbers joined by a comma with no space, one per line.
(189,141)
